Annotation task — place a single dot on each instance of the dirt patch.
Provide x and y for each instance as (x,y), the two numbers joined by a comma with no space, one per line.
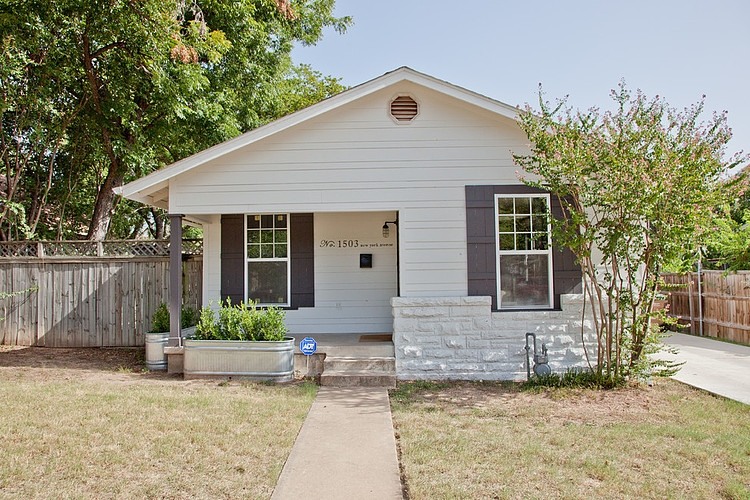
(593,407)
(101,363)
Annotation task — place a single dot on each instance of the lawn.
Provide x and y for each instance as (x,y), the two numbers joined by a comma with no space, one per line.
(79,423)
(469,440)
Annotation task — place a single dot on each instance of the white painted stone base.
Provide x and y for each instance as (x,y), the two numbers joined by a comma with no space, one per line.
(460,338)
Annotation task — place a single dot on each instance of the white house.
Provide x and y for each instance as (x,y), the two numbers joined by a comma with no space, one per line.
(393,207)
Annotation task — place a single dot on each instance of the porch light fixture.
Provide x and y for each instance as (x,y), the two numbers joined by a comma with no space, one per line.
(386,229)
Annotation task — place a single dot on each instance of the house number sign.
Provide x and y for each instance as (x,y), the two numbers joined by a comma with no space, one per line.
(351,244)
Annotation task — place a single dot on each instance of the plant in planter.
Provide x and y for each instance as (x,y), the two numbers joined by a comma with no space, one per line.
(158,337)
(240,341)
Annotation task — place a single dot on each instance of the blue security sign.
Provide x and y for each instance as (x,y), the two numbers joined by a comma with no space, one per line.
(308,346)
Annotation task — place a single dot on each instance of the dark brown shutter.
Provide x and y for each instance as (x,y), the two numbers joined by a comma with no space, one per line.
(232,258)
(303,261)
(480,238)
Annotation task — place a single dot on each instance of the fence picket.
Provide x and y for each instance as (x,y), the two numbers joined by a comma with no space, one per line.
(88,301)
(726,303)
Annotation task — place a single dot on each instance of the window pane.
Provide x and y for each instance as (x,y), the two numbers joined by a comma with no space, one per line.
(523,205)
(505,224)
(253,221)
(253,236)
(524,281)
(280,251)
(267,282)
(539,205)
(253,251)
(280,221)
(507,242)
(505,205)
(541,241)
(523,241)
(280,236)
(266,236)
(540,222)
(266,221)
(266,251)
(523,224)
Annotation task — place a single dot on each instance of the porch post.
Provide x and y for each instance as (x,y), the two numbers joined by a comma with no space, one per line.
(175,279)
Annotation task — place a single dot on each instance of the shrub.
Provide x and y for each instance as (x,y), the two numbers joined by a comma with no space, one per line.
(243,321)
(160,321)
(575,379)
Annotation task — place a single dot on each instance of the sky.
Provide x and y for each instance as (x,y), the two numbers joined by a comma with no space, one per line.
(679,50)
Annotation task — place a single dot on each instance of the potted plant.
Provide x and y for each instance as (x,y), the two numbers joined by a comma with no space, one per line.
(158,336)
(242,341)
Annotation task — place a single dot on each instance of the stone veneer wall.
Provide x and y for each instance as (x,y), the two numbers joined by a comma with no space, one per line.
(460,338)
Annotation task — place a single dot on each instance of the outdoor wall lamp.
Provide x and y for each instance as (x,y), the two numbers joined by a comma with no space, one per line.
(386,229)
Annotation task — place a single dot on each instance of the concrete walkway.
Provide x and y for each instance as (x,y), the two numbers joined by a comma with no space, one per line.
(345,450)
(718,367)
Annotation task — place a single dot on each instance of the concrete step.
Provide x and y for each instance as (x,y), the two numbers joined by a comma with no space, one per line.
(362,350)
(380,364)
(354,371)
(358,379)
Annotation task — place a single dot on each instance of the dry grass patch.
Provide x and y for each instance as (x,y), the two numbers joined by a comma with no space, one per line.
(67,431)
(470,440)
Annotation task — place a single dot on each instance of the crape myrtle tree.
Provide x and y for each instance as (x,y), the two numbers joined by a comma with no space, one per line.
(95,93)
(638,185)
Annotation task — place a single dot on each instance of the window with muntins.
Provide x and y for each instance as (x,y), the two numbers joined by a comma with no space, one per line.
(524,252)
(267,259)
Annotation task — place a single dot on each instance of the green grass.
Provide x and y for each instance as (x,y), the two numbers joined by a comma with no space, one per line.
(132,435)
(496,441)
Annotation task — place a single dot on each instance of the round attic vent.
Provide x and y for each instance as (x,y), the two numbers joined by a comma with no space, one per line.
(404,108)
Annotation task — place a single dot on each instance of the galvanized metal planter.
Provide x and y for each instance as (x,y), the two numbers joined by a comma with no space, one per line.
(155,342)
(262,360)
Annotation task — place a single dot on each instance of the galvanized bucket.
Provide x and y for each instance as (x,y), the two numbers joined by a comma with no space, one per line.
(155,358)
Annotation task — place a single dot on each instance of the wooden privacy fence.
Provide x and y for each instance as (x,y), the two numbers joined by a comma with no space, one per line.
(723,304)
(64,300)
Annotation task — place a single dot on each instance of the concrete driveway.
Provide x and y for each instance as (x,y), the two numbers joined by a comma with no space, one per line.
(718,367)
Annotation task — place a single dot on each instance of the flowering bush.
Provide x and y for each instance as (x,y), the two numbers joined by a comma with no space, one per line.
(637,186)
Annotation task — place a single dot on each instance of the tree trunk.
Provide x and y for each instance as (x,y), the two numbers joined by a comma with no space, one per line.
(105,204)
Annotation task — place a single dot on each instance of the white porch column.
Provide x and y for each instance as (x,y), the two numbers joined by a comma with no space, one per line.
(175,279)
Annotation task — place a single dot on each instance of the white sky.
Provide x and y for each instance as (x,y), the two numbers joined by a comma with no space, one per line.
(678,49)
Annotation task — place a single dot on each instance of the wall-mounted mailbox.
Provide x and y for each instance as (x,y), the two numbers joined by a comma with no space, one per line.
(365,260)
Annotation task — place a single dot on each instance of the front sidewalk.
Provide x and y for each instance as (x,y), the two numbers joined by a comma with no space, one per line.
(346,449)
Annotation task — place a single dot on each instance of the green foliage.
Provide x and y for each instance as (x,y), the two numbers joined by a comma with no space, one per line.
(94,95)
(8,295)
(188,317)
(728,244)
(638,186)
(243,321)
(575,379)
(160,321)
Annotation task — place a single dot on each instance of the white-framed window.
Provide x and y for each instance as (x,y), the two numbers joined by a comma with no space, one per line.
(267,273)
(524,251)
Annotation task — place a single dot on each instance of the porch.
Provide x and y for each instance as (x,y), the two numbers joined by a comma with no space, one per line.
(341,359)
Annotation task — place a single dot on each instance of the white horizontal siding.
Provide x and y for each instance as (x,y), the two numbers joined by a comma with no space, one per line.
(349,299)
(356,159)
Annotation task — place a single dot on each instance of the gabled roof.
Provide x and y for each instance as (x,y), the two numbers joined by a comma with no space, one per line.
(153,189)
